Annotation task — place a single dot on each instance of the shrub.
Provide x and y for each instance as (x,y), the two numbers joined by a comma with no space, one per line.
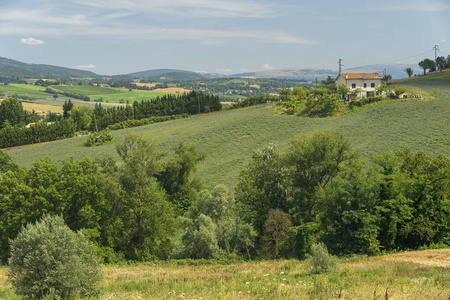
(320,260)
(47,258)
(399,90)
(103,137)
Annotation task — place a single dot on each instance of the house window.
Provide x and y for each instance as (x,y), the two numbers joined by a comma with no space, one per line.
(353,85)
(372,84)
(365,85)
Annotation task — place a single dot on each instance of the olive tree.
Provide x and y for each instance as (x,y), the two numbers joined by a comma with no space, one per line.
(47,257)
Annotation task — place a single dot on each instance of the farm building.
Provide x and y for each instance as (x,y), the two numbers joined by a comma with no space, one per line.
(365,82)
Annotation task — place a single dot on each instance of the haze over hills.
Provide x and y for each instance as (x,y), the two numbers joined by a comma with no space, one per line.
(290,73)
(397,71)
(13,68)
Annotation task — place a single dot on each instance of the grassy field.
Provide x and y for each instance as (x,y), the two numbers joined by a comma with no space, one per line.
(413,275)
(229,138)
(111,95)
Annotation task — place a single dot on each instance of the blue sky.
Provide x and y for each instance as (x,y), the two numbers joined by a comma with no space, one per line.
(122,36)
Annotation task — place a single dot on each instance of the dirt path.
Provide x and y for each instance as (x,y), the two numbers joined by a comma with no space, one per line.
(438,257)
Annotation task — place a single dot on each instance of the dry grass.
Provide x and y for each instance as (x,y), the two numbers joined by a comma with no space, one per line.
(412,275)
(150,85)
(437,258)
(41,109)
(257,86)
(173,90)
(227,103)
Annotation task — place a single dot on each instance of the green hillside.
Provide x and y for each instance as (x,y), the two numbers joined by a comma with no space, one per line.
(230,137)
(13,68)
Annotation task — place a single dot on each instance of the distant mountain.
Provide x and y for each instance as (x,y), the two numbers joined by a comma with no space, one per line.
(14,68)
(168,74)
(291,73)
(397,71)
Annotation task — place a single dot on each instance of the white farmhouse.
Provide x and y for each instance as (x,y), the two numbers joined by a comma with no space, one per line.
(365,82)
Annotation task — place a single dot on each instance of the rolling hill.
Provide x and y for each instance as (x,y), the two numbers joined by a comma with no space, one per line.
(291,73)
(229,138)
(397,71)
(168,74)
(14,68)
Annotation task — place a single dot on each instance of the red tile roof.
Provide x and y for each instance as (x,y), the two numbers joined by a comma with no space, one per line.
(350,75)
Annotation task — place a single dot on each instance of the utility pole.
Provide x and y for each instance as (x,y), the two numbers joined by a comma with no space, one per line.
(436,49)
(340,65)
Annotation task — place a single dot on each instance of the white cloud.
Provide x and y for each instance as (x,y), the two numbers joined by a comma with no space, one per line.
(443,41)
(89,66)
(31,41)
(196,8)
(267,67)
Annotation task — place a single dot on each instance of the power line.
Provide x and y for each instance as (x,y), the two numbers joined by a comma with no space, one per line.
(416,55)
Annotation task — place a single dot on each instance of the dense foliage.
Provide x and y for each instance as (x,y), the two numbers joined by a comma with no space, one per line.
(148,205)
(48,258)
(400,201)
(36,133)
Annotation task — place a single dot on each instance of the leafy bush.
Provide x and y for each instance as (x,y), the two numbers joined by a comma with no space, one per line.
(47,258)
(99,138)
(320,260)
(399,90)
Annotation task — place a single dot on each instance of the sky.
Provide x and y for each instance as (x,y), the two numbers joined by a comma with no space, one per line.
(112,37)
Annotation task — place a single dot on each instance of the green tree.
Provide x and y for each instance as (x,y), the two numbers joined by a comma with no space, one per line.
(386,78)
(262,187)
(48,258)
(441,63)
(82,116)
(142,194)
(6,163)
(212,227)
(11,111)
(343,90)
(177,176)
(314,162)
(349,223)
(426,64)
(25,196)
(409,71)
(276,240)
(67,106)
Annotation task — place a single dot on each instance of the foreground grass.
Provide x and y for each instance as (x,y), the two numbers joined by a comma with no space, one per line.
(385,277)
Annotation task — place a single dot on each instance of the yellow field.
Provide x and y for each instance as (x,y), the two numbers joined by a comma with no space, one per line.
(227,103)
(41,109)
(255,86)
(173,90)
(150,85)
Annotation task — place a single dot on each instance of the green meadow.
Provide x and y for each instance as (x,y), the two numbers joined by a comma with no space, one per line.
(230,137)
(108,94)
(414,275)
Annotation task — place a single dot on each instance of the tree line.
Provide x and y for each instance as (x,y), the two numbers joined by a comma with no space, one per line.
(13,117)
(150,205)
(440,64)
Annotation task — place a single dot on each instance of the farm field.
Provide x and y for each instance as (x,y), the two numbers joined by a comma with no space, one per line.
(111,95)
(410,275)
(229,138)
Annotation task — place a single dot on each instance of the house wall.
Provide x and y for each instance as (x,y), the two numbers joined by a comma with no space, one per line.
(360,84)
